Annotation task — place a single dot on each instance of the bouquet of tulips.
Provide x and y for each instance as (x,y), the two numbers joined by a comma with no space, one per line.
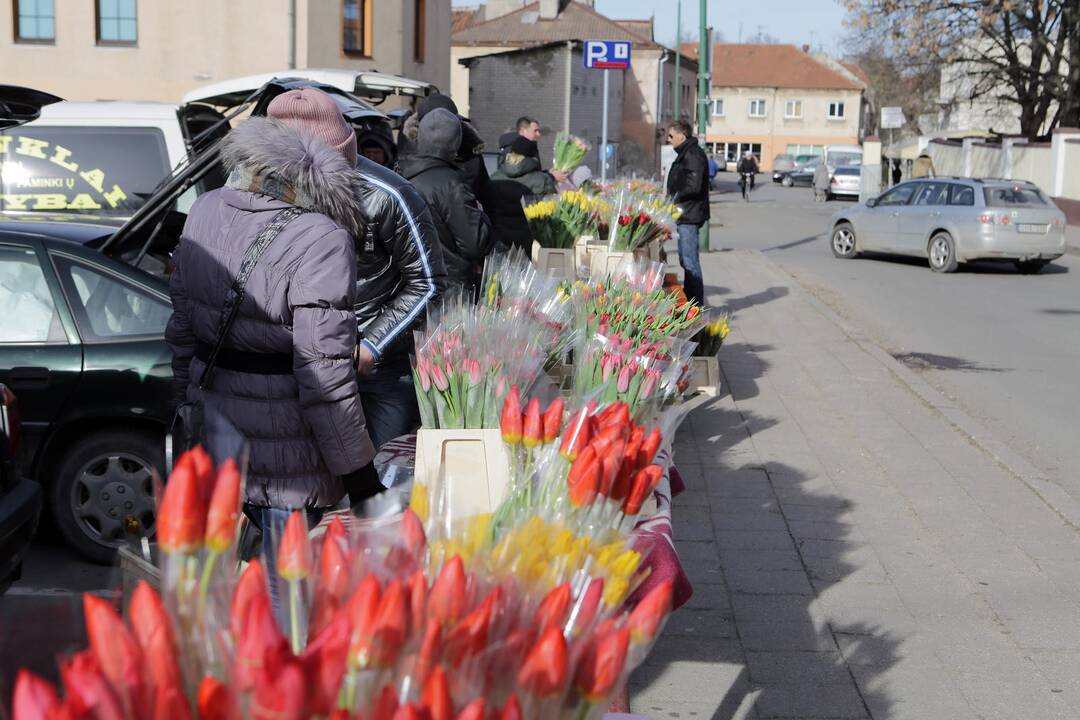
(546,223)
(713,334)
(381,625)
(642,374)
(570,152)
(559,220)
(639,221)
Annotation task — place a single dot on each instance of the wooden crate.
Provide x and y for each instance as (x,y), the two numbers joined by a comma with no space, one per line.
(133,568)
(474,464)
(603,262)
(705,375)
(558,262)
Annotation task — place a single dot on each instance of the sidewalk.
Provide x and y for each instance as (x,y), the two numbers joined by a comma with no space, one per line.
(855,551)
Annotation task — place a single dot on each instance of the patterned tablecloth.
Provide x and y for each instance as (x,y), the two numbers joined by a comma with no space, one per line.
(656,527)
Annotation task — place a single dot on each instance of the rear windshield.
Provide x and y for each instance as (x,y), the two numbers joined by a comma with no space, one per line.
(1014,197)
(80,170)
(847,171)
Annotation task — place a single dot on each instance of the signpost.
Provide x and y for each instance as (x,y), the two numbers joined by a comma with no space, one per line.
(606,55)
(892,118)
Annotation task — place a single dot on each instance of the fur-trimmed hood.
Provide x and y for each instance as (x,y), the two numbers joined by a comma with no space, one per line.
(320,178)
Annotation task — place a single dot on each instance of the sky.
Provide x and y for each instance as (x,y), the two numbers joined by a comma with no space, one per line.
(819,22)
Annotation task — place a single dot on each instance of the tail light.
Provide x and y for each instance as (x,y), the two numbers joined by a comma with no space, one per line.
(10,419)
(992,219)
(833,181)
(1059,222)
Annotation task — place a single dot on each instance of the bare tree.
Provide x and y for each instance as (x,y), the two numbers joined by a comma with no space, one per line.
(1021,51)
(892,84)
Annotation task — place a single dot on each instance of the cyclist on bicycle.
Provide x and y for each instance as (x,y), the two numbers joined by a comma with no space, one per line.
(748,169)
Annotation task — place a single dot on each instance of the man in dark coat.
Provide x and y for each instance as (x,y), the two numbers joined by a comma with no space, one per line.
(469,155)
(464,229)
(688,187)
(519,179)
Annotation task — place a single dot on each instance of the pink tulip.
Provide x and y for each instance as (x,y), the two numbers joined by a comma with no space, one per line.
(476,374)
(608,366)
(623,383)
(425,377)
(648,384)
(438,377)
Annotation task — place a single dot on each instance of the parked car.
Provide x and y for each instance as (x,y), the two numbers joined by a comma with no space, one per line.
(798,163)
(783,163)
(954,220)
(802,176)
(20,497)
(845,182)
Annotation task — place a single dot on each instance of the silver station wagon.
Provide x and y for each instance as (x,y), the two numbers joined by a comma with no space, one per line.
(949,221)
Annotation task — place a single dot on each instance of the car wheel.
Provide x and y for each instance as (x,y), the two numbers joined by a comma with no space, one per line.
(843,241)
(942,253)
(103,491)
(787,181)
(829,196)
(1030,267)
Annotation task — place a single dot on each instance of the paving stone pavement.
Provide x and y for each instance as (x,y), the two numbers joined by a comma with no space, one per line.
(855,552)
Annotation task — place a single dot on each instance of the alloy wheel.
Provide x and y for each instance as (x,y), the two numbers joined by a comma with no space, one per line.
(113,496)
(844,241)
(939,251)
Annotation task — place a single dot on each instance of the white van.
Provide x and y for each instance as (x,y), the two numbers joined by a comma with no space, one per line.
(842,155)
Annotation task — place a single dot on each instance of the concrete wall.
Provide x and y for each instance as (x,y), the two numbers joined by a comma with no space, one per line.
(184,45)
(1072,179)
(1032,163)
(775,131)
(587,107)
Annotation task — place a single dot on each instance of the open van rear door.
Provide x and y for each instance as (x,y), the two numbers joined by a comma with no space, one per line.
(20,105)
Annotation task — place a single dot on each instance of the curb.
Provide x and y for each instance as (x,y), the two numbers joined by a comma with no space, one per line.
(1050,493)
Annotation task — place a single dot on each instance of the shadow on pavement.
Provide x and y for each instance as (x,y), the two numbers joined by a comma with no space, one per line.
(975,267)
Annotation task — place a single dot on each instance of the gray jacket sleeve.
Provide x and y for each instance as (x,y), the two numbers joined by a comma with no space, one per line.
(321,296)
(178,332)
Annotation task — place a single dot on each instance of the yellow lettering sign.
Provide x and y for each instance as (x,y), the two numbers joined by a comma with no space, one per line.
(60,156)
(50,202)
(15,202)
(95,178)
(115,196)
(5,143)
(83,201)
(30,147)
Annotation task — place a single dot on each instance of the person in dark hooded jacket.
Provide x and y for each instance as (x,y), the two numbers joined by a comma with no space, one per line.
(522,164)
(469,155)
(464,229)
(517,180)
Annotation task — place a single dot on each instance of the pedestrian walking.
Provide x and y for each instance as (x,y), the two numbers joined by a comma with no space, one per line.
(464,230)
(821,181)
(688,187)
(897,173)
(923,167)
(275,357)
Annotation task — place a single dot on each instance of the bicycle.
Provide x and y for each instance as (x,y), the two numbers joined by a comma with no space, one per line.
(746,185)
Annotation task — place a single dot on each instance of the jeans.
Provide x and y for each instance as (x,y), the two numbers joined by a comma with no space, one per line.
(389,401)
(689,258)
(272,523)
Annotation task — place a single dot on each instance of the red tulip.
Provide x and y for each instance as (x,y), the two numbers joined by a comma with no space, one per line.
(88,692)
(511,417)
(692,312)
(602,665)
(409,712)
(260,641)
(553,420)
(533,431)
(412,532)
(181,516)
(224,510)
(628,465)
(252,582)
(203,465)
(153,629)
(280,690)
(588,484)
(617,414)
(576,435)
(418,591)
(214,701)
(589,605)
(577,468)
(645,619)
(511,710)
(609,463)
(436,696)
(391,625)
(386,705)
(170,704)
(332,587)
(469,636)
(644,483)
(446,601)
(554,609)
(294,549)
(324,661)
(544,671)
(362,608)
(35,698)
(430,650)
(649,448)
(115,649)
(475,710)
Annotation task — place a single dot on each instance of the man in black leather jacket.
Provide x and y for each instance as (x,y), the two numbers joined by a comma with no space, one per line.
(400,271)
(688,186)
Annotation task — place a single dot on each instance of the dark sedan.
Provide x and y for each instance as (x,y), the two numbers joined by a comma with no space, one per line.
(20,497)
(82,347)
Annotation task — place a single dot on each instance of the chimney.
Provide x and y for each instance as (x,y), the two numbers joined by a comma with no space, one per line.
(498,8)
(806,49)
(549,9)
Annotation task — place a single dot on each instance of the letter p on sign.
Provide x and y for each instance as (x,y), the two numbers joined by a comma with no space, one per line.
(607,54)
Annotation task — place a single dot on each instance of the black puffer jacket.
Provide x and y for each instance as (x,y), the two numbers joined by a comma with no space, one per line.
(507,215)
(400,265)
(688,183)
(470,156)
(464,229)
(526,170)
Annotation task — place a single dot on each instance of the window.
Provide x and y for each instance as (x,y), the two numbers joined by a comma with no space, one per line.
(1013,197)
(718,107)
(961,195)
(116,22)
(107,307)
(836,111)
(793,109)
(419,23)
(757,108)
(26,304)
(35,21)
(932,193)
(899,195)
(356,27)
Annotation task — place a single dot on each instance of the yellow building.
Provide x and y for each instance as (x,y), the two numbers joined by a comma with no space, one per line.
(779,100)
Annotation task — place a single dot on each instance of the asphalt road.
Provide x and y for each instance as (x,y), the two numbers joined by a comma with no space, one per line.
(1004,346)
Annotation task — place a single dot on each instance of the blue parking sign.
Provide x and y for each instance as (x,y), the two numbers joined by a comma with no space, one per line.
(607,54)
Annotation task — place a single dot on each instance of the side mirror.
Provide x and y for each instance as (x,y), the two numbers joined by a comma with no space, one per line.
(872,202)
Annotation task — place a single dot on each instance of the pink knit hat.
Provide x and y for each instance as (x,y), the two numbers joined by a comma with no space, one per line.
(311,111)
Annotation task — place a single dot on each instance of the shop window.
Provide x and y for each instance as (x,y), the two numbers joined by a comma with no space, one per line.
(757,108)
(116,22)
(356,27)
(35,21)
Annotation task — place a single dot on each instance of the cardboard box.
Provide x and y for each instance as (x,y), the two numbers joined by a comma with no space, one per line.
(581,250)
(603,262)
(705,375)
(558,262)
(473,464)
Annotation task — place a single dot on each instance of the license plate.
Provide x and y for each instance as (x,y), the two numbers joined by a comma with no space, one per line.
(1032,228)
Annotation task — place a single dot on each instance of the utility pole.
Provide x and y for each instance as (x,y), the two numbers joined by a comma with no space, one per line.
(705,58)
(678,63)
